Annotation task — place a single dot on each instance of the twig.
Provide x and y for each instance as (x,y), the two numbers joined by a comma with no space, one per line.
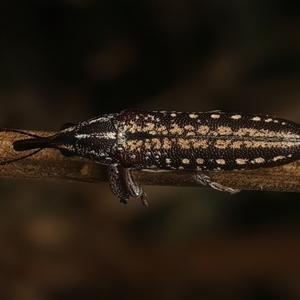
(49,164)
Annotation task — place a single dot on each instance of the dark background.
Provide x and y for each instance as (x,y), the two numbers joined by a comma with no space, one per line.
(64,61)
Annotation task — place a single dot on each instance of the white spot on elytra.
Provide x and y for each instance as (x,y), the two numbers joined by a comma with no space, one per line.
(224,130)
(190,133)
(258,160)
(268,120)
(173,115)
(236,117)
(189,127)
(168,161)
(200,161)
(256,119)
(241,161)
(278,157)
(193,116)
(220,161)
(215,116)
(185,161)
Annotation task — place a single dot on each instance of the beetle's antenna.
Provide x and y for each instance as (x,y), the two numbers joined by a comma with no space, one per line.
(3,163)
(21,132)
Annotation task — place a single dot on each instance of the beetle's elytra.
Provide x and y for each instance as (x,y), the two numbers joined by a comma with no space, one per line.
(160,140)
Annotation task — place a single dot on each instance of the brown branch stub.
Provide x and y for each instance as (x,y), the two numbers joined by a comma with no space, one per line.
(49,164)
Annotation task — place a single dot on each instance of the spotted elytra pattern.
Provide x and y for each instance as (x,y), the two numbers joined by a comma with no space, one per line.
(204,141)
(169,141)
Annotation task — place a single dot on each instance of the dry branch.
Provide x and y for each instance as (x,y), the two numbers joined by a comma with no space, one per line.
(49,164)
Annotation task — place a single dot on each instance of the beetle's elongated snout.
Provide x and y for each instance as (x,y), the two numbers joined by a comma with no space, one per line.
(29,144)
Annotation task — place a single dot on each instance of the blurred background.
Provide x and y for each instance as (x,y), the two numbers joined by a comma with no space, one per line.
(67,61)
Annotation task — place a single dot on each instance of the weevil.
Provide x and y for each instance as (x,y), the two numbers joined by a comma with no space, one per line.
(170,141)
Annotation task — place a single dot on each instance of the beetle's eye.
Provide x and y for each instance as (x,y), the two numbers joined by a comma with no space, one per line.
(67,125)
(66,152)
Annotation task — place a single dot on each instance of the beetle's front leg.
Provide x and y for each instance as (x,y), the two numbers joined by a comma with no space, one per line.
(123,185)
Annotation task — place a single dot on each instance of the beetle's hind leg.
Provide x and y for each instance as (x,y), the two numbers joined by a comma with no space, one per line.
(206,181)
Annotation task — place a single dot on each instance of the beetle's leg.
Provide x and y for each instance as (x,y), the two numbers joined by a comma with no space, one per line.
(205,180)
(123,185)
